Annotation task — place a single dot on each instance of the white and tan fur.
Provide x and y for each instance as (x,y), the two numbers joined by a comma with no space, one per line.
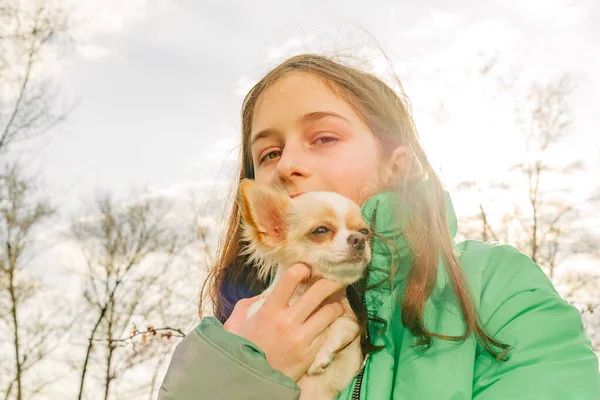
(281,232)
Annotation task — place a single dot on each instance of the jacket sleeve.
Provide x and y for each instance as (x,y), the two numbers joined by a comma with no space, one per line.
(551,357)
(211,363)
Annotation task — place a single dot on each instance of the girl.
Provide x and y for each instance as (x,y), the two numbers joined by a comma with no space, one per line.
(441,320)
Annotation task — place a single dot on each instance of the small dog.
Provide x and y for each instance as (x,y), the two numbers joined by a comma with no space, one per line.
(326,231)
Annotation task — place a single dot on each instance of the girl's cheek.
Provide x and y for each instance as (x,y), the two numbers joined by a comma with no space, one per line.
(338,172)
(263,176)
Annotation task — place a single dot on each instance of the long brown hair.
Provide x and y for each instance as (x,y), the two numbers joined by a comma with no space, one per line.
(387,114)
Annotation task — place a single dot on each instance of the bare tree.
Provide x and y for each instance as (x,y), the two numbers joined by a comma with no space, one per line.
(176,312)
(541,222)
(178,307)
(589,245)
(545,124)
(129,251)
(32,333)
(541,213)
(31,33)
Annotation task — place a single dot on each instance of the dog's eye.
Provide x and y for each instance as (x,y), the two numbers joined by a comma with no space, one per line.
(364,231)
(320,230)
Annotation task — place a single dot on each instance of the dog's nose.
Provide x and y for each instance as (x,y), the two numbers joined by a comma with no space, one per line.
(357,241)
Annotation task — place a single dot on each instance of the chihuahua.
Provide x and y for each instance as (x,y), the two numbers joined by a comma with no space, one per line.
(325,231)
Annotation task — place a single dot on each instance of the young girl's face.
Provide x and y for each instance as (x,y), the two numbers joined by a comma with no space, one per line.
(305,138)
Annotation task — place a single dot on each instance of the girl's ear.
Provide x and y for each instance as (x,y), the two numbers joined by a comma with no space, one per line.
(396,166)
(263,213)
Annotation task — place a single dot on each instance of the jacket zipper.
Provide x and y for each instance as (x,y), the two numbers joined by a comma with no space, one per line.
(357,386)
(359,377)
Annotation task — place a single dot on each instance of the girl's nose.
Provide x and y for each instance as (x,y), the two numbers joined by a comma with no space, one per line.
(292,165)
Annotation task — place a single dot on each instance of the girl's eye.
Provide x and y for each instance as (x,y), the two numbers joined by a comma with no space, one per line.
(364,231)
(320,231)
(270,155)
(326,139)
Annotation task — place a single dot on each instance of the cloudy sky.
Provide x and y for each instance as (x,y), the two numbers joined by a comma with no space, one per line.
(159,83)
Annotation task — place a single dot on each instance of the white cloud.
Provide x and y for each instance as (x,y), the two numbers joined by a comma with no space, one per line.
(93,51)
(224,149)
(292,46)
(96,17)
(88,21)
(461,49)
(219,160)
(183,190)
(476,137)
(93,19)
(438,23)
(559,14)
(243,85)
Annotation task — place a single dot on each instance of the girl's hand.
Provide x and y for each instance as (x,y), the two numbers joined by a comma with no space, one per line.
(290,336)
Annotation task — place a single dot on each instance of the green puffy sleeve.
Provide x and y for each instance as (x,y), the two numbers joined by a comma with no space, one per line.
(551,356)
(211,363)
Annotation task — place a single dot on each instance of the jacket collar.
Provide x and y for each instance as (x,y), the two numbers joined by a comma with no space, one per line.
(392,255)
(392,221)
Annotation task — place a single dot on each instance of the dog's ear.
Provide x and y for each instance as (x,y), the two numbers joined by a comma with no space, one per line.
(263,212)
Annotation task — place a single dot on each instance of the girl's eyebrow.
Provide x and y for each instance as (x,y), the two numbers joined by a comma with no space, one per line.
(317,115)
(263,134)
(305,119)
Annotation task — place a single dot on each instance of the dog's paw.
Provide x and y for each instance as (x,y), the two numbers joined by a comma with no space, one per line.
(322,361)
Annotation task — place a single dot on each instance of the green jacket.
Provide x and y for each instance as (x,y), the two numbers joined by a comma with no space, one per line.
(551,356)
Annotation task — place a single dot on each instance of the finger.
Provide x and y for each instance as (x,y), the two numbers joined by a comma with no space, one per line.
(243,305)
(284,289)
(317,324)
(312,298)
(315,345)
(239,313)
